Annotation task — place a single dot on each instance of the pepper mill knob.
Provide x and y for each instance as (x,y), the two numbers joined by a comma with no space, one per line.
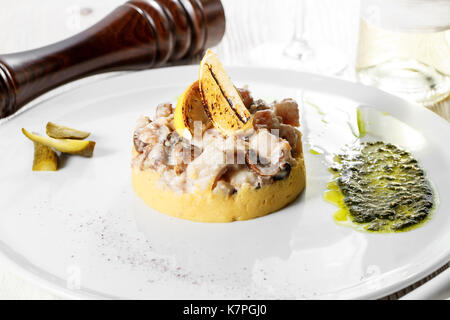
(137,35)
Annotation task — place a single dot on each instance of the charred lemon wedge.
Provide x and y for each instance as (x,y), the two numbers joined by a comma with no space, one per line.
(79,147)
(190,112)
(221,99)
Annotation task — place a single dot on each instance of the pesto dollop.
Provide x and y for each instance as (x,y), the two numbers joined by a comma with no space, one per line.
(381,187)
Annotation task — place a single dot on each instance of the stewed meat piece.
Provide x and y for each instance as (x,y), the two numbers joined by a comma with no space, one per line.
(246,97)
(265,119)
(287,109)
(163,110)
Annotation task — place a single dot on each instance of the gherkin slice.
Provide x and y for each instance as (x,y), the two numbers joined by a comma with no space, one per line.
(45,159)
(61,132)
(83,148)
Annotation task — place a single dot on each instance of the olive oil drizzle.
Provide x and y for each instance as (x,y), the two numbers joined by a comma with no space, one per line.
(379,187)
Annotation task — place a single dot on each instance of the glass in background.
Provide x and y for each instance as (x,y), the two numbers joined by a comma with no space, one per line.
(300,35)
(404,48)
(324,59)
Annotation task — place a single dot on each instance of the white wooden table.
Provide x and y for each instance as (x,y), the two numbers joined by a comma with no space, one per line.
(27,24)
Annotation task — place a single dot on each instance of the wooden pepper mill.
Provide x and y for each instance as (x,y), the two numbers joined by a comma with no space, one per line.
(136,35)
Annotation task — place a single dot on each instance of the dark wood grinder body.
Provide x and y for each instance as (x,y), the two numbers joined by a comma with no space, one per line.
(137,35)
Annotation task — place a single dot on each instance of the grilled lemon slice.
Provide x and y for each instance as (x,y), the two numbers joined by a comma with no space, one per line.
(190,112)
(222,101)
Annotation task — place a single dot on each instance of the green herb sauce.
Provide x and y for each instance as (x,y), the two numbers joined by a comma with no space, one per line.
(379,187)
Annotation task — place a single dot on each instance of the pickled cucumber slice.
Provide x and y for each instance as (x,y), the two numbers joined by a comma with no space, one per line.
(45,159)
(83,148)
(61,132)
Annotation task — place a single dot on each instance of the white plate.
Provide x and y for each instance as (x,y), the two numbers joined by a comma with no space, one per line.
(437,288)
(84,233)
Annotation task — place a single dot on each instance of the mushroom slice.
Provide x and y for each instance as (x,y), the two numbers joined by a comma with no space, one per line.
(261,166)
(268,154)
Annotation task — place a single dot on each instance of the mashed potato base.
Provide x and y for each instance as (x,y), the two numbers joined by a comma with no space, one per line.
(208,206)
